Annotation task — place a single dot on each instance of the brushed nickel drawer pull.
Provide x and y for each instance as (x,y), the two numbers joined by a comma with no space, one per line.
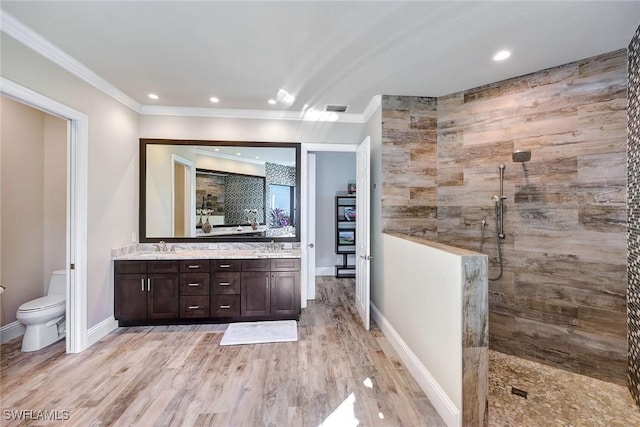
(193,284)
(224,283)
(194,307)
(225,266)
(193,266)
(148,285)
(142,280)
(225,307)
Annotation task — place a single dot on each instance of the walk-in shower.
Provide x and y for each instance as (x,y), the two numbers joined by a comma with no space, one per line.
(518,156)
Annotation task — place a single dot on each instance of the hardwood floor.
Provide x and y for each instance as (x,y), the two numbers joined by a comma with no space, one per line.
(335,374)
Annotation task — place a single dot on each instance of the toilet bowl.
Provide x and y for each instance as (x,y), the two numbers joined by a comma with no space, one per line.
(44,318)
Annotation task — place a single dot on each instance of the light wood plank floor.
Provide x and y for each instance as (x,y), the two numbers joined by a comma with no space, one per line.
(335,374)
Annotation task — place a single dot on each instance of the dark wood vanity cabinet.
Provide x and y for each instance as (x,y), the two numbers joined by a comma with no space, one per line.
(272,288)
(156,292)
(145,290)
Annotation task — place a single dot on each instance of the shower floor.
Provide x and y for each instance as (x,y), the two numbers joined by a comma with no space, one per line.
(555,397)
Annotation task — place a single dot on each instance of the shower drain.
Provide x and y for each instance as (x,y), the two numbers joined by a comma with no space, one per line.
(519,392)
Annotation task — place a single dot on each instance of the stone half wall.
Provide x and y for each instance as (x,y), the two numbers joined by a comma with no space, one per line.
(633,221)
(562,297)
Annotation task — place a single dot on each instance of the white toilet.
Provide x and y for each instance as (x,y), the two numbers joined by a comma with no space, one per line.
(44,317)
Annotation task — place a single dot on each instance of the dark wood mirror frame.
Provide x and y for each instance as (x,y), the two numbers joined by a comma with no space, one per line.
(144,142)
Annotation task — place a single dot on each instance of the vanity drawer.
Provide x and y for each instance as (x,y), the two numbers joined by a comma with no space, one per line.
(194,307)
(225,305)
(131,267)
(226,264)
(162,266)
(194,283)
(225,283)
(194,266)
(285,264)
(255,264)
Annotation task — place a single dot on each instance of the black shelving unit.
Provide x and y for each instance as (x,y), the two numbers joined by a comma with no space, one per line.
(345,232)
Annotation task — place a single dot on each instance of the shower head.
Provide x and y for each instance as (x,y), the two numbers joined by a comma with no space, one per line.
(521,156)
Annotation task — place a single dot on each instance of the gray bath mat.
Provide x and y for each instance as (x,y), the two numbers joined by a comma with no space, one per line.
(260,332)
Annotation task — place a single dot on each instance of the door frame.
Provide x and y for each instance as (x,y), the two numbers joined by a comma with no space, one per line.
(77,183)
(190,211)
(305,223)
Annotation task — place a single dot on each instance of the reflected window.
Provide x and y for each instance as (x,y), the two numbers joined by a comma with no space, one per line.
(281,203)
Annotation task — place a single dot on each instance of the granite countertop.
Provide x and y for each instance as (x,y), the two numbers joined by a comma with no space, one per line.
(209,254)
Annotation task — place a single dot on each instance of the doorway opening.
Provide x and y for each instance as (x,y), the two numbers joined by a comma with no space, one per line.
(76,207)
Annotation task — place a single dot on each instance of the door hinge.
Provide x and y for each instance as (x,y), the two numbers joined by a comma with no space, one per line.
(72,266)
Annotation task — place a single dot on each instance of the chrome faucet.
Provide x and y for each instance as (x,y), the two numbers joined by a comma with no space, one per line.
(272,246)
(161,246)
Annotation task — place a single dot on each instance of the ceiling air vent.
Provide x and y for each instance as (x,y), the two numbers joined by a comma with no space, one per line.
(335,108)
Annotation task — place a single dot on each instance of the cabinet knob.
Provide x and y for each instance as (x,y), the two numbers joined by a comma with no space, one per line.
(311,245)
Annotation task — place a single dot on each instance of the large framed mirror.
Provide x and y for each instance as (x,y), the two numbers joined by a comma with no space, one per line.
(199,191)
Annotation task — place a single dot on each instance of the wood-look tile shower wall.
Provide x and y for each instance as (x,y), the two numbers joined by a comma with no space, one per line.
(562,297)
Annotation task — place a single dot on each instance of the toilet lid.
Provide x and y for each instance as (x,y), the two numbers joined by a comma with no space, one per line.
(47,301)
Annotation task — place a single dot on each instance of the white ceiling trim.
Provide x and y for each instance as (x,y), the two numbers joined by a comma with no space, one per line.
(374,104)
(236,113)
(25,35)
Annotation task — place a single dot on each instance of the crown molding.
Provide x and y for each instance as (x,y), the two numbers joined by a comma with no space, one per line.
(236,113)
(25,35)
(374,104)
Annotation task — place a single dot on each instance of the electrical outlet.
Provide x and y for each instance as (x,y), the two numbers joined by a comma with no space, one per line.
(134,237)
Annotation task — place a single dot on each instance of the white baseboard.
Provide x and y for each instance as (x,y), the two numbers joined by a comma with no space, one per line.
(10,331)
(100,330)
(325,271)
(438,398)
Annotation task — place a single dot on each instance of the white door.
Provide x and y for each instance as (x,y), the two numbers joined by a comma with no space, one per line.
(363,232)
(311,224)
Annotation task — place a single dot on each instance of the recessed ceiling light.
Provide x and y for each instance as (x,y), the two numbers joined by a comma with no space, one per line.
(153,96)
(272,102)
(238,154)
(214,99)
(502,55)
(216,149)
(285,97)
(257,157)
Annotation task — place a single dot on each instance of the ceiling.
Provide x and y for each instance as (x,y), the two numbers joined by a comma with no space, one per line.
(322,53)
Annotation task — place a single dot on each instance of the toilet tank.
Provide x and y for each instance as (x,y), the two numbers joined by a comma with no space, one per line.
(58,283)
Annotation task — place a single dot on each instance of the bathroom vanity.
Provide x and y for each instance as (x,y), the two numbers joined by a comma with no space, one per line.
(206,287)
(226,209)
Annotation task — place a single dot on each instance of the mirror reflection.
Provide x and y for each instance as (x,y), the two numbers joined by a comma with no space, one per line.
(219,191)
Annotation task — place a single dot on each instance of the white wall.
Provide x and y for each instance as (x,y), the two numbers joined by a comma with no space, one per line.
(229,165)
(22,204)
(209,128)
(112,169)
(421,299)
(55,195)
(160,183)
(333,171)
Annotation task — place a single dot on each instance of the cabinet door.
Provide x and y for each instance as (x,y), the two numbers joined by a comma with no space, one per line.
(130,297)
(162,299)
(285,294)
(255,296)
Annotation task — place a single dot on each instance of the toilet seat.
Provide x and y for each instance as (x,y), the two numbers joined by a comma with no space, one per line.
(43,303)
